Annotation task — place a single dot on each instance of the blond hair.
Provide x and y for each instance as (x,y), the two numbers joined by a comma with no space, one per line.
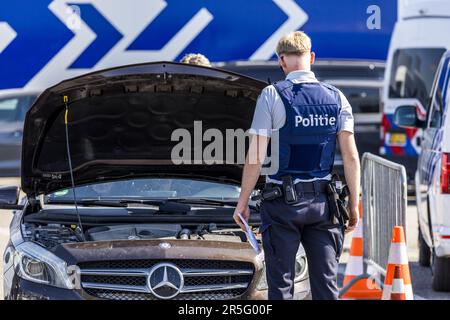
(197,59)
(296,42)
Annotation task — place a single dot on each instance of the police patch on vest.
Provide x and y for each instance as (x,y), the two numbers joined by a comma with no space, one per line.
(315,121)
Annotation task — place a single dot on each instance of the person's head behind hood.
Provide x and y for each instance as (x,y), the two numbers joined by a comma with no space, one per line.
(196,59)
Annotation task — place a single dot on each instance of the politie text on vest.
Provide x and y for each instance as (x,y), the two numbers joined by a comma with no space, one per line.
(315,121)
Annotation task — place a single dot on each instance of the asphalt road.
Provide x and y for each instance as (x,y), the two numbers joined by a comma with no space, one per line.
(421,277)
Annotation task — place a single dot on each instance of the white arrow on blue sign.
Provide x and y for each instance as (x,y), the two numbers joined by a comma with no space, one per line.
(45,41)
(7,35)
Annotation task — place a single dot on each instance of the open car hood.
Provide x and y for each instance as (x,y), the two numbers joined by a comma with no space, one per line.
(120,123)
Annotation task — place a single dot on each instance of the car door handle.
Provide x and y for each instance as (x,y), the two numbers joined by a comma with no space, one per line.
(419,141)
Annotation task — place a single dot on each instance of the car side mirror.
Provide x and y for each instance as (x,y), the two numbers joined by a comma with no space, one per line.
(406,117)
(9,198)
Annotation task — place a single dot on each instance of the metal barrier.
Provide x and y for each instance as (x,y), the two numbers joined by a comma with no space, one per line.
(384,202)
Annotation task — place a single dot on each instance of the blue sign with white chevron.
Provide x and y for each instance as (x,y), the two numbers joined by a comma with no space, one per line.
(45,41)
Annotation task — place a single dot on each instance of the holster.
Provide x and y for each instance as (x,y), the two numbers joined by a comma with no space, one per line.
(269,194)
(337,201)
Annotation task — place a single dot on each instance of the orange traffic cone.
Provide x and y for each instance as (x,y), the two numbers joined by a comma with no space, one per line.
(398,285)
(398,258)
(364,288)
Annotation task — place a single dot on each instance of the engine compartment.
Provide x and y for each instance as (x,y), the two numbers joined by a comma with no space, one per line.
(52,235)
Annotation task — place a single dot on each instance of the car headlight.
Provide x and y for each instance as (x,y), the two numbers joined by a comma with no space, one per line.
(301,271)
(34,263)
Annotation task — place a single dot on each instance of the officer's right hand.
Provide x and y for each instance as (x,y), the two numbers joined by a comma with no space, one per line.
(353,218)
(245,213)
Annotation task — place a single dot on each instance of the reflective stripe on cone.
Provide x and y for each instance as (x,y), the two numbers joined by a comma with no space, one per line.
(398,285)
(398,278)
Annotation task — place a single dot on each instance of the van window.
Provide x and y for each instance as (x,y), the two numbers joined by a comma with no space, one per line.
(413,72)
(437,102)
(436,113)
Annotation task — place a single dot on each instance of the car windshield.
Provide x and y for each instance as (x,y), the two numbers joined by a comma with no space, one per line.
(14,108)
(153,188)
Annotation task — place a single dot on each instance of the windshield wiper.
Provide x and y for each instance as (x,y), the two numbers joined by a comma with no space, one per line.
(217,202)
(90,202)
(160,201)
(209,201)
(124,202)
(164,206)
(156,202)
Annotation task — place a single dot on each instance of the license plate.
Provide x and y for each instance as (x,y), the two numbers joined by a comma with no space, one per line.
(397,139)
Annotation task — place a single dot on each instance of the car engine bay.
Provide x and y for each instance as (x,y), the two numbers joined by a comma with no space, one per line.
(52,235)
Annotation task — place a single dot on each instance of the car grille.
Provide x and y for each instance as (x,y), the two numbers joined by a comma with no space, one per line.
(203,279)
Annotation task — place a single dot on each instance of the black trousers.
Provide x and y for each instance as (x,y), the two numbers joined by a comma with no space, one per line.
(308,222)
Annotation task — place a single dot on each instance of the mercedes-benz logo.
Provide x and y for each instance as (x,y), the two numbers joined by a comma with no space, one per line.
(165,281)
(165,245)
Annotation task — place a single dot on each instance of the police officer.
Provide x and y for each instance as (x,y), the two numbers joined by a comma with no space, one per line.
(310,117)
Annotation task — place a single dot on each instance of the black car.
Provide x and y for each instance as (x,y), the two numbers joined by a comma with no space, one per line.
(108,214)
(13,106)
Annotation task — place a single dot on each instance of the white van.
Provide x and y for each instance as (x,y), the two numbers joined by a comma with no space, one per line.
(420,38)
(433,176)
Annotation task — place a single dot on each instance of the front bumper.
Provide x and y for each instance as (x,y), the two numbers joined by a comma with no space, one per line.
(25,290)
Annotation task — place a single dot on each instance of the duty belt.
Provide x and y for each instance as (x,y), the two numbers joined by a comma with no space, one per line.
(273,190)
(336,196)
(319,186)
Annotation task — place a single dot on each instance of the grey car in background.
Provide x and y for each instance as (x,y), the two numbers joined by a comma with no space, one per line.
(14,104)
